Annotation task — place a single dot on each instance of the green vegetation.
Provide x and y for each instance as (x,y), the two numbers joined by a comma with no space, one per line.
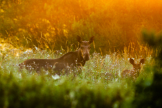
(148,92)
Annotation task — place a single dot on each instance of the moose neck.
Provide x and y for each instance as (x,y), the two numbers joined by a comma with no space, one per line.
(80,59)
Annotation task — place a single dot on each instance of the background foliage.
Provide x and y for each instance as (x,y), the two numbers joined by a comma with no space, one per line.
(54,24)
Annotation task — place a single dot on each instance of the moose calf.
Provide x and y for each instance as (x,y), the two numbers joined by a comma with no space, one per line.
(135,71)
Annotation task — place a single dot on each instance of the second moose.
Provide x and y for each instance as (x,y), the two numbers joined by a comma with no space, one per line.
(135,71)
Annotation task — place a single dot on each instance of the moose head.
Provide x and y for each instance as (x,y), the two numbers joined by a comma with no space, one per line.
(85,47)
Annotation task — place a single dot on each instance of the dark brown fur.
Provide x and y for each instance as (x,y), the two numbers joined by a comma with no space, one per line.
(67,61)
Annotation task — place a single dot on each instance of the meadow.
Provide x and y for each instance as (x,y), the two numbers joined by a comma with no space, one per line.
(98,85)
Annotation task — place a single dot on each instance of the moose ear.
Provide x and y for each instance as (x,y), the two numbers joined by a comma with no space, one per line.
(142,61)
(79,39)
(131,61)
(91,39)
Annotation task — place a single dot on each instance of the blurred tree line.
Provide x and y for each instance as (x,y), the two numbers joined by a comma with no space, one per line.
(54,24)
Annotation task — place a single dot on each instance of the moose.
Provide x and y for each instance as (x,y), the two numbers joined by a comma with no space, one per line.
(135,71)
(68,61)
